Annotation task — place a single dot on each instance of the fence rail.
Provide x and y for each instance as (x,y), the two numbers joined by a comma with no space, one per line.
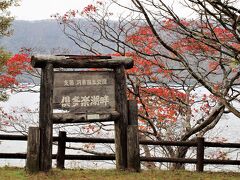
(61,156)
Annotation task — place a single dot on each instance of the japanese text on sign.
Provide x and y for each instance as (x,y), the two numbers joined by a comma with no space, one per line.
(84,82)
(84,91)
(84,101)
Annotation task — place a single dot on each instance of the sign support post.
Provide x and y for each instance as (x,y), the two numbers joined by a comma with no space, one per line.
(122,122)
(45,117)
(107,102)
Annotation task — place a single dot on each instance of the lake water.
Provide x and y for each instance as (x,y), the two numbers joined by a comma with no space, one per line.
(228,128)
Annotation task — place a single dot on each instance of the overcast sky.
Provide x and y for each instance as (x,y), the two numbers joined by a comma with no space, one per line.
(43,9)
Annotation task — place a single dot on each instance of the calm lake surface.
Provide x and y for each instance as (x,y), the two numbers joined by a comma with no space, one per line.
(228,128)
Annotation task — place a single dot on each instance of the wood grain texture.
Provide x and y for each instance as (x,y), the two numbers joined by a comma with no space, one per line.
(122,122)
(39,61)
(87,91)
(45,117)
(33,149)
(78,118)
(133,152)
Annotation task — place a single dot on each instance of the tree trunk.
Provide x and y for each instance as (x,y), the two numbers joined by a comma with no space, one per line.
(181,153)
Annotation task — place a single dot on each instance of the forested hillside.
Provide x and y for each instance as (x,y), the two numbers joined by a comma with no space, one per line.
(44,36)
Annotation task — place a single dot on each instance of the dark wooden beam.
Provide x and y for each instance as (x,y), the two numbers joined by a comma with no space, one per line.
(173,160)
(13,155)
(122,122)
(39,61)
(200,154)
(61,149)
(33,149)
(45,118)
(59,118)
(13,137)
(169,143)
(90,157)
(90,140)
(133,152)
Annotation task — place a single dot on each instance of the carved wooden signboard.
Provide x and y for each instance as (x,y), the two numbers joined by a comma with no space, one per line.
(84,91)
(82,96)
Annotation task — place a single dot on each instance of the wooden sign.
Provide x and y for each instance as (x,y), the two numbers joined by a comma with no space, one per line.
(84,96)
(84,92)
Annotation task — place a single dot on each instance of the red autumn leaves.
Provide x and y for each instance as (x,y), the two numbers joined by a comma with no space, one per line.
(13,67)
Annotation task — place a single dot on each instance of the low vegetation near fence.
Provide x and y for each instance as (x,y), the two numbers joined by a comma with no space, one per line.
(200,144)
(17,174)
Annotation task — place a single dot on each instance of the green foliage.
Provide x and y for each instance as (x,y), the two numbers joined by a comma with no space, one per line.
(12,173)
(4,56)
(5,23)
(5,16)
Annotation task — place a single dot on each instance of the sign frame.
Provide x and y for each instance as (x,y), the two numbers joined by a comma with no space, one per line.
(47,63)
(84,92)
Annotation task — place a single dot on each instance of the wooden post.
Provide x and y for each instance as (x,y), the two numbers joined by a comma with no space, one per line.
(122,122)
(33,148)
(47,63)
(45,117)
(200,154)
(61,149)
(133,154)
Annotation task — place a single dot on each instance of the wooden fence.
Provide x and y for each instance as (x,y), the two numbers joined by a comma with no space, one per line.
(200,144)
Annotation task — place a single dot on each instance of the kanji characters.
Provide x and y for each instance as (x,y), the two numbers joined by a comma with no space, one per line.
(85,82)
(104,100)
(66,101)
(65,82)
(95,100)
(84,101)
(75,101)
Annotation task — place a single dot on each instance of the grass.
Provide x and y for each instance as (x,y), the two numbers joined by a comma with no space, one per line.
(10,173)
